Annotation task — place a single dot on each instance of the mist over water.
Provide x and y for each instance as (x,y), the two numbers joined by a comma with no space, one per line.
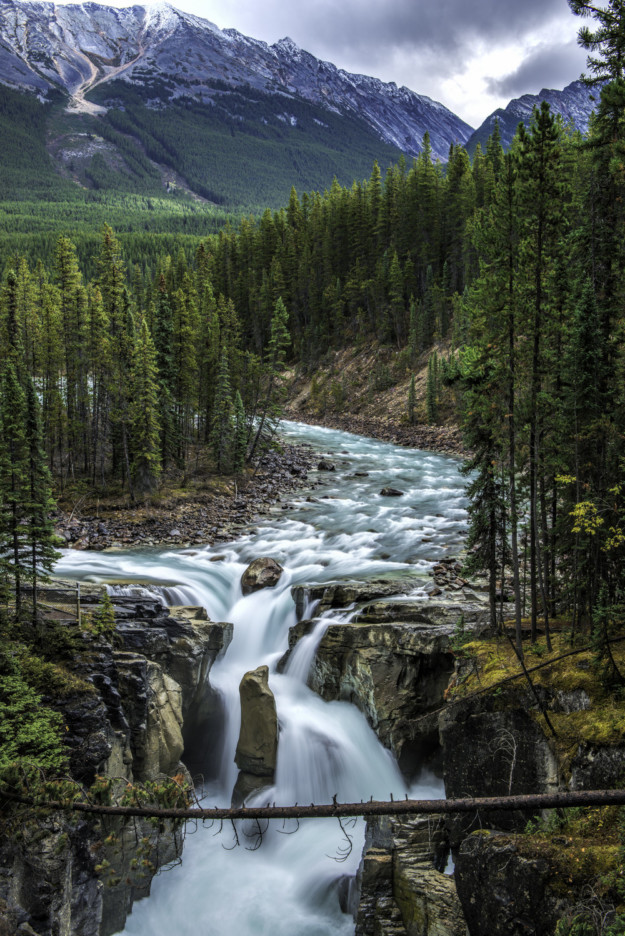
(342,529)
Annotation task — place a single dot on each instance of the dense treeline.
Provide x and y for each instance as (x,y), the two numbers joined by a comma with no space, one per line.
(147,227)
(383,258)
(131,373)
(518,259)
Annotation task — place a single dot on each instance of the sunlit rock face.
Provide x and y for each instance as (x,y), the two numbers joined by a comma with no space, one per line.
(167,54)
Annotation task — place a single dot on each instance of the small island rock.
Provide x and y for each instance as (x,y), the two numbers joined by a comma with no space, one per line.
(261,573)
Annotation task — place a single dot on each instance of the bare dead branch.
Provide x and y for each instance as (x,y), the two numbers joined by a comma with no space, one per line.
(283,831)
(344,851)
(236,836)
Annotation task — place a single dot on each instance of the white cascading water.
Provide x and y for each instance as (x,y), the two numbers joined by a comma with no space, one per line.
(289,885)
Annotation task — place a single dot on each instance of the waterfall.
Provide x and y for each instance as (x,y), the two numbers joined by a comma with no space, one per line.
(343,530)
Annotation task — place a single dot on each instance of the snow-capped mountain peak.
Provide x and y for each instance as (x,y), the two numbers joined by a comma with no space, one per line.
(44,45)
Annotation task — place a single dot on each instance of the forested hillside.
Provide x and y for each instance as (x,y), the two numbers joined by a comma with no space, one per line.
(240,151)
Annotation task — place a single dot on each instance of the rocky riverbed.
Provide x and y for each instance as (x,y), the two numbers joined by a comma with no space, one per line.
(204,519)
(384,636)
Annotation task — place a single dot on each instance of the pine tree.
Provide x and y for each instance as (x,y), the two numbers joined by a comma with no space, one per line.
(240,434)
(50,352)
(39,534)
(73,324)
(222,420)
(487,544)
(14,484)
(396,300)
(542,202)
(143,413)
(118,314)
(274,392)
(413,332)
(431,392)
(98,366)
(411,401)
(492,303)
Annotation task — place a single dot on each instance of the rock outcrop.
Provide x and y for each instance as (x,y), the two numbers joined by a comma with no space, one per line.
(506,892)
(341,595)
(597,767)
(492,746)
(125,720)
(257,749)
(393,660)
(404,891)
(261,573)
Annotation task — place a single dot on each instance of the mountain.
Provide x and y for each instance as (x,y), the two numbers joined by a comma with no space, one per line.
(169,53)
(574,103)
(153,96)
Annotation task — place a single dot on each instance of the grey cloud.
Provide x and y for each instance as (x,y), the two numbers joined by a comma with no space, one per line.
(445,26)
(548,66)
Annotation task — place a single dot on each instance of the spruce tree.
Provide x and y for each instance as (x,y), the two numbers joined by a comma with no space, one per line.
(143,413)
(39,533)
(14,483)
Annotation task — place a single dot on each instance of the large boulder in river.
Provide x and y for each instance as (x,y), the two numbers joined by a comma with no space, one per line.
(257,749)
(261,573)
(391,492)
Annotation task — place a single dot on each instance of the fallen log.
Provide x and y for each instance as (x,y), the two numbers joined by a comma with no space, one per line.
(338,810)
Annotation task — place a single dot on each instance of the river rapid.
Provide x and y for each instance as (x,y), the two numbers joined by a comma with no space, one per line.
(340,527)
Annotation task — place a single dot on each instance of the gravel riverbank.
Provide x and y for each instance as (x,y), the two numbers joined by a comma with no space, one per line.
(205,518)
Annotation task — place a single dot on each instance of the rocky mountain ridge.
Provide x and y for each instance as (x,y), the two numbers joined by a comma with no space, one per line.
(167,54)
(575,104)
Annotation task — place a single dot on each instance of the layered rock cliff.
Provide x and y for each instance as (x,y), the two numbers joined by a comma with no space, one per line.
(145,688)
(432,692)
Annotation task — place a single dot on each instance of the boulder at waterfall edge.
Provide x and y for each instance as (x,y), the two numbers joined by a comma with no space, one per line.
(261,573)
(257,749)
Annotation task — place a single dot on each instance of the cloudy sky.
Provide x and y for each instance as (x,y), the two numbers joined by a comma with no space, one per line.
(472,55)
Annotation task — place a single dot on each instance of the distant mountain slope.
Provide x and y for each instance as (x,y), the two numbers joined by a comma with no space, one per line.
(166,54)
(573,103)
